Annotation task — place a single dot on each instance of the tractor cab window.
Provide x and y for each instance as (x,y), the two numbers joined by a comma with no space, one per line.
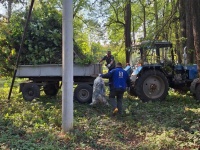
(156,55)
(134,57)
(165,55)
(148,55)
(152,52)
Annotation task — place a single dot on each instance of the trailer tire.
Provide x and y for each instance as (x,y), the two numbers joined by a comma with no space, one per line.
(197,92)
(51,89)
(30,91)
(83,93)
(152,85)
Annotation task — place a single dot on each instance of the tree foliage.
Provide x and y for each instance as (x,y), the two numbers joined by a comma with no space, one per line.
(43,42)
(98,24)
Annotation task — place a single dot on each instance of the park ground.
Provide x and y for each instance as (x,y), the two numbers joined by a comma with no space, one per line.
(172,124)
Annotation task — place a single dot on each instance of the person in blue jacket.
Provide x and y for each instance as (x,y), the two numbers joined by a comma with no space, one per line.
(119,81)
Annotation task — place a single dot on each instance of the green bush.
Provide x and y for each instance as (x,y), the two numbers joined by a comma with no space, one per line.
(43,41)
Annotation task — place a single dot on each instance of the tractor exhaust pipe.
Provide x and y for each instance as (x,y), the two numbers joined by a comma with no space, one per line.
(185,57)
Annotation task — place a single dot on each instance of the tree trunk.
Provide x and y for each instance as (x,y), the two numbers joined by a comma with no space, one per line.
(178,45)
(189,35)
(133,31)
(127,30)
(9,9)
(195,11)
(182,25)
(143,7)
(144,22)
(156,15)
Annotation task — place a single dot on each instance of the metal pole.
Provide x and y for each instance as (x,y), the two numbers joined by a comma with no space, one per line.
(67,66)
(20,49)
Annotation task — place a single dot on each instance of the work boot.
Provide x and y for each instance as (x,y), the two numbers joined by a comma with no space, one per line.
(115,111)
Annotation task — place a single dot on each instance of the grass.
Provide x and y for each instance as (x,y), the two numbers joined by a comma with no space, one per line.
(172,124)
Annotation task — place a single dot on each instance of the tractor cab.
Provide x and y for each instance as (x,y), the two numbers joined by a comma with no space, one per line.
(152,52)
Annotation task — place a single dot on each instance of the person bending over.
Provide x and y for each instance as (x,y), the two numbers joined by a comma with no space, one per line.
(110,61)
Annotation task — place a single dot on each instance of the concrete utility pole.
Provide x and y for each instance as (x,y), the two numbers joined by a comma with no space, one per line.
(67,66)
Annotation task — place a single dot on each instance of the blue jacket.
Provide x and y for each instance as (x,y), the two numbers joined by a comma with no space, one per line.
(119,79)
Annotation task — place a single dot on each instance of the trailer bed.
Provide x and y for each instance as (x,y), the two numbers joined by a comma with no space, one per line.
(55,70)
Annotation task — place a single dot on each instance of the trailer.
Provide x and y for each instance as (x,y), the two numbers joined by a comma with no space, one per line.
(48,77)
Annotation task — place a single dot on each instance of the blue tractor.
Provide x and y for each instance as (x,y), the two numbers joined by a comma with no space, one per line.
(160,71)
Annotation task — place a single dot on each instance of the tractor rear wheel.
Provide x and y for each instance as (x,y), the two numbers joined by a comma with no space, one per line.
(152,85)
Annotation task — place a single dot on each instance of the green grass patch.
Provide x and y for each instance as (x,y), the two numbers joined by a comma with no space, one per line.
(172,124)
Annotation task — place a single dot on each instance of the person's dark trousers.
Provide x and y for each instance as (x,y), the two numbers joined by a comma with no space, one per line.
(116,103)
(109,80)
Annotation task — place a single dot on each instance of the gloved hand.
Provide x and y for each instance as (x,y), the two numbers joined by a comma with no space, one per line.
(108,65)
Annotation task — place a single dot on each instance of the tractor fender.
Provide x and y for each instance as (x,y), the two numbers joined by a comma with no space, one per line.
(193,85)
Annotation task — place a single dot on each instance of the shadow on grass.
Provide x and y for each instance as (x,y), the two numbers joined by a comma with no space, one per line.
(178,112)
(95,128)
(12,137)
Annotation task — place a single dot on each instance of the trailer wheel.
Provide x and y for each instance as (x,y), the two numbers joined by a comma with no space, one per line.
(51,89)
(197,92)
(152,85)
(83,93)
(30,91)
